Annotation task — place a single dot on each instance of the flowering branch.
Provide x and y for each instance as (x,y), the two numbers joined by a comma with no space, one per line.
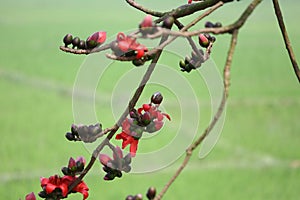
(286,39)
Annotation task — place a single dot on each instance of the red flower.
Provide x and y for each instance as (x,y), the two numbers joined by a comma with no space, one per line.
(98,37)
(62,183)
(126,44)
(30,196)
(128,139)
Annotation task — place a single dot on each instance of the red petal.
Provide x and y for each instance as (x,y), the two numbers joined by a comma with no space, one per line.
(50,187)
(124,46)
(140,53)
(101,37)
(146,107)
(133,147)
(140,110)
(64,189)
(44,181)
(30,196)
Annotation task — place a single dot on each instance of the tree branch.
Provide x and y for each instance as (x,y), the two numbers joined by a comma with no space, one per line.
(286,38)
(194,145)
(143,9)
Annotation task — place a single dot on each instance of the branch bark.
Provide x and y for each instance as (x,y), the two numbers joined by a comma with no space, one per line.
(286,39)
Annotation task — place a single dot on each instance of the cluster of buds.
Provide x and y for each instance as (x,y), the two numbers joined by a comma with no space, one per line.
(148,118)
(74,167)
(95,40)
(193,62)
(209,24)
(84,133)
(128,46)
(150,195)
(114,167)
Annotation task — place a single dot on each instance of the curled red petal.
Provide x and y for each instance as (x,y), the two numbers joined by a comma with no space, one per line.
(124,46)
(64,189)
(121,36)
(159,116)
(140,110)
(167,116)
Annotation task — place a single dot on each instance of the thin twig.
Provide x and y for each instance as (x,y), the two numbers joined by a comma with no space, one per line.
(191,148)
(84,51)
(143,9)
(286,38)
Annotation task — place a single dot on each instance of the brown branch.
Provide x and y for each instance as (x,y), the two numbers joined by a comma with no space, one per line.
(286,38)
(84,51)
(218,114)
(143,9)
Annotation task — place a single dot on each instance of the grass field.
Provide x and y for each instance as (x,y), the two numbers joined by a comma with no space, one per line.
(257,156)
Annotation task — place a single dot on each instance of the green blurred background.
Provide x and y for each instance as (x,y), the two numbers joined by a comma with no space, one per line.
(257,156)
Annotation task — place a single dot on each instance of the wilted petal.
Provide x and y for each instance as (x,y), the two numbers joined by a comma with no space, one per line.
(104,159)
(119,154)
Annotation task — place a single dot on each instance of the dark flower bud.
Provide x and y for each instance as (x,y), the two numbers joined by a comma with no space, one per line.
(156,98)
(151,193)
(146,118)
(79,166)
(65,171)
(129,197)
(218,25)
(70,136)
(209,24)
(168,22)
(75,42)
(90,44)
(82,44)
(68,39)
(212,39)
(138,62)
(182,64)
(43,194)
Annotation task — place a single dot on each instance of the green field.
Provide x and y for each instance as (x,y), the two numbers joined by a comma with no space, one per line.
(257,155)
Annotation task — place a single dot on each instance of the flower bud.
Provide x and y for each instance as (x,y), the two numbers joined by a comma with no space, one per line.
(168,22)
(104,159)
(75,42)
(129,197)
(203,41)
(82,44)
(209,24)
(147,26)
(218,25)
(156,98)
(151,193)
(68,39)
(30,196)
(72,163)
(96,39)
(70,136)
(138,62)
